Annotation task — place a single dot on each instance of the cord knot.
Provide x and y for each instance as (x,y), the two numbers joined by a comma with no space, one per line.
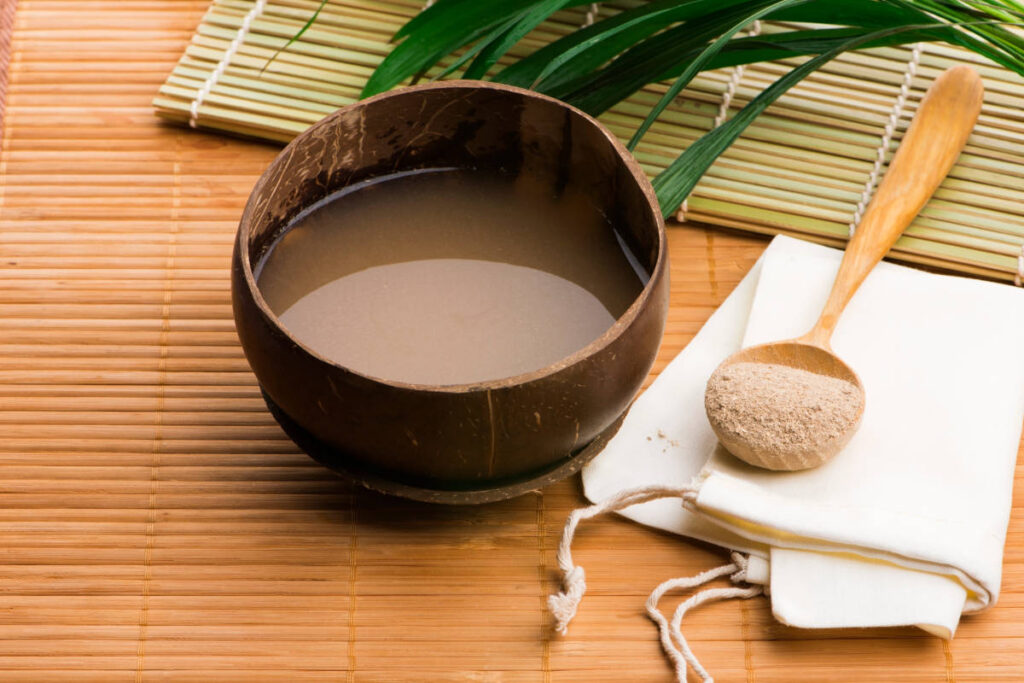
(741,562)
(563,605)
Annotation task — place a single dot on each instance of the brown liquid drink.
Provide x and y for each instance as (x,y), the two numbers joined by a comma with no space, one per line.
(449,276)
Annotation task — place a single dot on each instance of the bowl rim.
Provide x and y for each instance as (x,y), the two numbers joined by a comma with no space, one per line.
(622,322)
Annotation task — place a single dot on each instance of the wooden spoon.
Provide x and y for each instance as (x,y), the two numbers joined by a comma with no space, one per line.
(928,151)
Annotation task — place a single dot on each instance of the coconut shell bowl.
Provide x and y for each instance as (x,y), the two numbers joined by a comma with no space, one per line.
(469,443)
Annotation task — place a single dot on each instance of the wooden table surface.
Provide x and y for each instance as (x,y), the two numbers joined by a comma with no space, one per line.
(155,524)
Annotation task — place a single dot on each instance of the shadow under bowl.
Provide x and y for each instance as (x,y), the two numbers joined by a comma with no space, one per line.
(454,443)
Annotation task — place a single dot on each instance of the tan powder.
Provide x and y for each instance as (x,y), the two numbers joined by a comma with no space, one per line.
(781,411)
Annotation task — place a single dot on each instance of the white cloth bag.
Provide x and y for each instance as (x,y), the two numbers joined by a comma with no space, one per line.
(907,524)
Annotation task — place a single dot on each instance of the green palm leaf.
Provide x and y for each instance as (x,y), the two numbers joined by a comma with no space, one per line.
(498,46)
(592,46)
(291,41)
(600,65)
(676,182)
(440,30)
(700,63)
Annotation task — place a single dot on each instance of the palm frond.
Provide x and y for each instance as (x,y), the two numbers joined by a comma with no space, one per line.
(600,65)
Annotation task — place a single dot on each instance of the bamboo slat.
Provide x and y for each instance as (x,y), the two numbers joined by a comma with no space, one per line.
(155,524)
(802,168)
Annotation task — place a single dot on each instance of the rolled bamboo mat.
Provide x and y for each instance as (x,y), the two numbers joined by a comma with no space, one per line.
(155,524)
(7,10)
(805,168)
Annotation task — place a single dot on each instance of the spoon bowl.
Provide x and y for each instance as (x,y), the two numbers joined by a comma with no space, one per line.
(802,356)
(928,151)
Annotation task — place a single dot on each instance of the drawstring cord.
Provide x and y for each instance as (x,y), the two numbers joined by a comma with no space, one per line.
(683,655)
(563,605)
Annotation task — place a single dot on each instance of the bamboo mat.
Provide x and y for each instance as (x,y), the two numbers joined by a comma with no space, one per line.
(806,167)
(155,524)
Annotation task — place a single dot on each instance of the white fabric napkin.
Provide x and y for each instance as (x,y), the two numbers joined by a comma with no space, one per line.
(907,524)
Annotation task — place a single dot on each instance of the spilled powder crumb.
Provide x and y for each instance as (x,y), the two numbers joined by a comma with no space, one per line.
(778,409)
(664,437)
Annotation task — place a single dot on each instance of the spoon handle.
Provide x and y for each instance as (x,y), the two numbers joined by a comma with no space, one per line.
(928,151)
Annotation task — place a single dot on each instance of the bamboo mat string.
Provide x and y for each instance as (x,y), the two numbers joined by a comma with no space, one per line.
(218,71)
(591,14)
(723,108)
(1018,277)
(353,587)
(156,450)
(542,573)
(6,29)
(7,12)
(890,127)
(734,82)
